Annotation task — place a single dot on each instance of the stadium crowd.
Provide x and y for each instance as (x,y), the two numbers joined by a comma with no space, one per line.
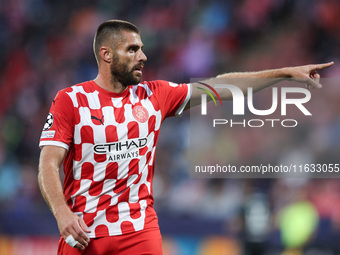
(47,45)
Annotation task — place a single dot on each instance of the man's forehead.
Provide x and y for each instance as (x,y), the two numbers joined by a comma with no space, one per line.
(128,38)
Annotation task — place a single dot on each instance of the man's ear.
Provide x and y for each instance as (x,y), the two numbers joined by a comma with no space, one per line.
(106,54)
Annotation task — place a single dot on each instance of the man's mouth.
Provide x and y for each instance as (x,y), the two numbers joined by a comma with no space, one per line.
(138,69)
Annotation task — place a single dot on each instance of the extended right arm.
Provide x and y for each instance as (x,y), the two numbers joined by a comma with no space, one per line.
(259,80)
(51,158)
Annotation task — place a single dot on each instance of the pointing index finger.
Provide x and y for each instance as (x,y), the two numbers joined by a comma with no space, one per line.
(322,66)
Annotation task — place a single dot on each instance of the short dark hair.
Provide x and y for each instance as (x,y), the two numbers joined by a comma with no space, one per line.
(110,29)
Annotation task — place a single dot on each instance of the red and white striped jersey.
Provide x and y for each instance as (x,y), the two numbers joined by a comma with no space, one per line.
(111,141)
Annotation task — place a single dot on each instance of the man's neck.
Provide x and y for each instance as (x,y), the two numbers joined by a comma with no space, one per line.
(109,84)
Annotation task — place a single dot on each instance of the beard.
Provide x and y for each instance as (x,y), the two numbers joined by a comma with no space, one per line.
(120,73)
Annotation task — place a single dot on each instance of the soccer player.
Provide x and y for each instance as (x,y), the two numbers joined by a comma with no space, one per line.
(105,133)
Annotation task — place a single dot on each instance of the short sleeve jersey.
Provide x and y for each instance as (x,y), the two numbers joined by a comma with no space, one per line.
(111,141)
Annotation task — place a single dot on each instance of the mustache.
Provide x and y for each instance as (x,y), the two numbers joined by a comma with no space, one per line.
(139,66)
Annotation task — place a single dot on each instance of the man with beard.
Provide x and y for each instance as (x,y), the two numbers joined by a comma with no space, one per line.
(105,132)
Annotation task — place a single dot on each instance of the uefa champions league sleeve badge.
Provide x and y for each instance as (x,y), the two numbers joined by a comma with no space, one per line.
(49,122)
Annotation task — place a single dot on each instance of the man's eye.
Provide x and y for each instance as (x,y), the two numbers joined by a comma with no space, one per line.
(133,49)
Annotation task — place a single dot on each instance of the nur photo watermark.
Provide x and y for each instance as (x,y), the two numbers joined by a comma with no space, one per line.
(280,131)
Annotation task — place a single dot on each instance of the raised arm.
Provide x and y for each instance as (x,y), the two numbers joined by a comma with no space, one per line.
(259,80)
(51,158)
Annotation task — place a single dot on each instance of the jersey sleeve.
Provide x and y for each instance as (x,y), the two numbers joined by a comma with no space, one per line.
(172,97)
(59,126)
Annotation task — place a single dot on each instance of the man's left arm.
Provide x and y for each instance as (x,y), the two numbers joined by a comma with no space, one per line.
(258,80)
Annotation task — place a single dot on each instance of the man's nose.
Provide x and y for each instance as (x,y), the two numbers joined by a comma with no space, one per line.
(142,57)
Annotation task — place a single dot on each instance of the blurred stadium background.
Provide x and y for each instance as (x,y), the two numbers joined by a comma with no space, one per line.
(47,45)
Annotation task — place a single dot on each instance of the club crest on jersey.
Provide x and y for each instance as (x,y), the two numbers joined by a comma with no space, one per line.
(49,122)
(140,113)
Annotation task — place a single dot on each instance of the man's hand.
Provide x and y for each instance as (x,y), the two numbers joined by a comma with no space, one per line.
(71,224)
(307,74)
